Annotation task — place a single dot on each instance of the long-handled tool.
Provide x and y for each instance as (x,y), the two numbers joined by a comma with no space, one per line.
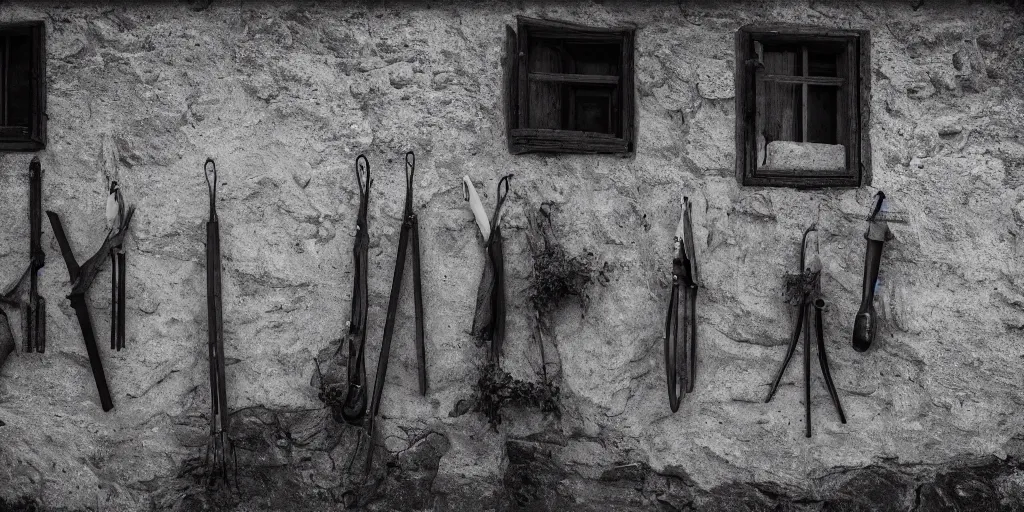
(489,319)
(681,363)
(81,279)
(865,324)
(115,212)
(354,408)
(34,317)
(410,232)
(806,292)
(220,448)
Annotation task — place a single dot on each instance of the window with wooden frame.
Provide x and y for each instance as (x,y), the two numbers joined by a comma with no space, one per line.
(802,106)
(22,86)
(569,88)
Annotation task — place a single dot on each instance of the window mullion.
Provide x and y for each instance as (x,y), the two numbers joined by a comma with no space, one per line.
(4,68)
(803,94)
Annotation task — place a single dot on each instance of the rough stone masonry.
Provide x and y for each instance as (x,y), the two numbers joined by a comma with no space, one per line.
(285,97)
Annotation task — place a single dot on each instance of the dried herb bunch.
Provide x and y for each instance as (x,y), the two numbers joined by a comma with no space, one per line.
(497,389)
(556,274)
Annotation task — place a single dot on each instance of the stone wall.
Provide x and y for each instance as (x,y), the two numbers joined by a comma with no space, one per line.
(284,98)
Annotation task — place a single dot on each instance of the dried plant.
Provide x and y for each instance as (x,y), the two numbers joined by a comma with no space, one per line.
(497,389)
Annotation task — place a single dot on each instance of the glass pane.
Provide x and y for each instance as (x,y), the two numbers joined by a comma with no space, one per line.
(822,114)
(782,60)
(545,108)
(593,58)
(822,63)
(19,81)
(545,56)
(593,109)
(778,111)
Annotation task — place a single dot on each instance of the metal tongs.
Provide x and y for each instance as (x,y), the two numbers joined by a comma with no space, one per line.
(220,447)
(118,271)
(410,231)
(806,292)
(681,363)
(34,317)
(354,408)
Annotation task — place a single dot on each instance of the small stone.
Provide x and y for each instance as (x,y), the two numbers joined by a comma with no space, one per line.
(921,90)
(401,76)
(950,130)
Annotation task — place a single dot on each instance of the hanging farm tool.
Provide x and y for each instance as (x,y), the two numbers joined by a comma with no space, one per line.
(353,408)
(489,318)
(409,232)
(865,324)
(220,448)
(805,293)
(82,278)
(115,213)
(34,318)
(681,362)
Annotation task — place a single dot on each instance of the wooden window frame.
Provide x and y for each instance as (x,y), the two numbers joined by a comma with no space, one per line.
(32,137)
(857,88)
(522,139)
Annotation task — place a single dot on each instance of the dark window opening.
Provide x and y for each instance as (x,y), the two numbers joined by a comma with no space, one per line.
(22,88)
(802,106)
(569,88)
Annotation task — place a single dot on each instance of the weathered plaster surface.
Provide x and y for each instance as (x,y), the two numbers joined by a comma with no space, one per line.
(285,97)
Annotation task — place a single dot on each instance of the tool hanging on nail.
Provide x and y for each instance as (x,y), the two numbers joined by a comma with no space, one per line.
(354,407)
(221,447)
(681,363)
(81,279)
(34,317)
(489,318)
(409,232)
(865,324)
(115,213)
(804,290)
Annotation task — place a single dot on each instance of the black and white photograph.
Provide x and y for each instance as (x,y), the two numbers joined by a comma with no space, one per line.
(618,256)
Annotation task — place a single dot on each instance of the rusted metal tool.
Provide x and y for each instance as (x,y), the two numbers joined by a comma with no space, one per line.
(220,448)
(865,324)
(33,318)
(805,292)
(354,408)
(681,362)
(409,232)
(118,272)
(489,319)
(81,279)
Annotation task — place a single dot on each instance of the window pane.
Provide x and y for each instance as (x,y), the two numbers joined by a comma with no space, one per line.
(19,81)
(822,114)
(782,60)
(593,58)
(822,64)
(778,111)
(593,109)
(545,56)
(546,102)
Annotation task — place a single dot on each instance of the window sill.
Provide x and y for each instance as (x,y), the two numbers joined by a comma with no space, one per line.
(529,140)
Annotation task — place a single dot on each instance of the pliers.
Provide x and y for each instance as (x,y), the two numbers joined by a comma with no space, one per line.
(808,295)
(681,363)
